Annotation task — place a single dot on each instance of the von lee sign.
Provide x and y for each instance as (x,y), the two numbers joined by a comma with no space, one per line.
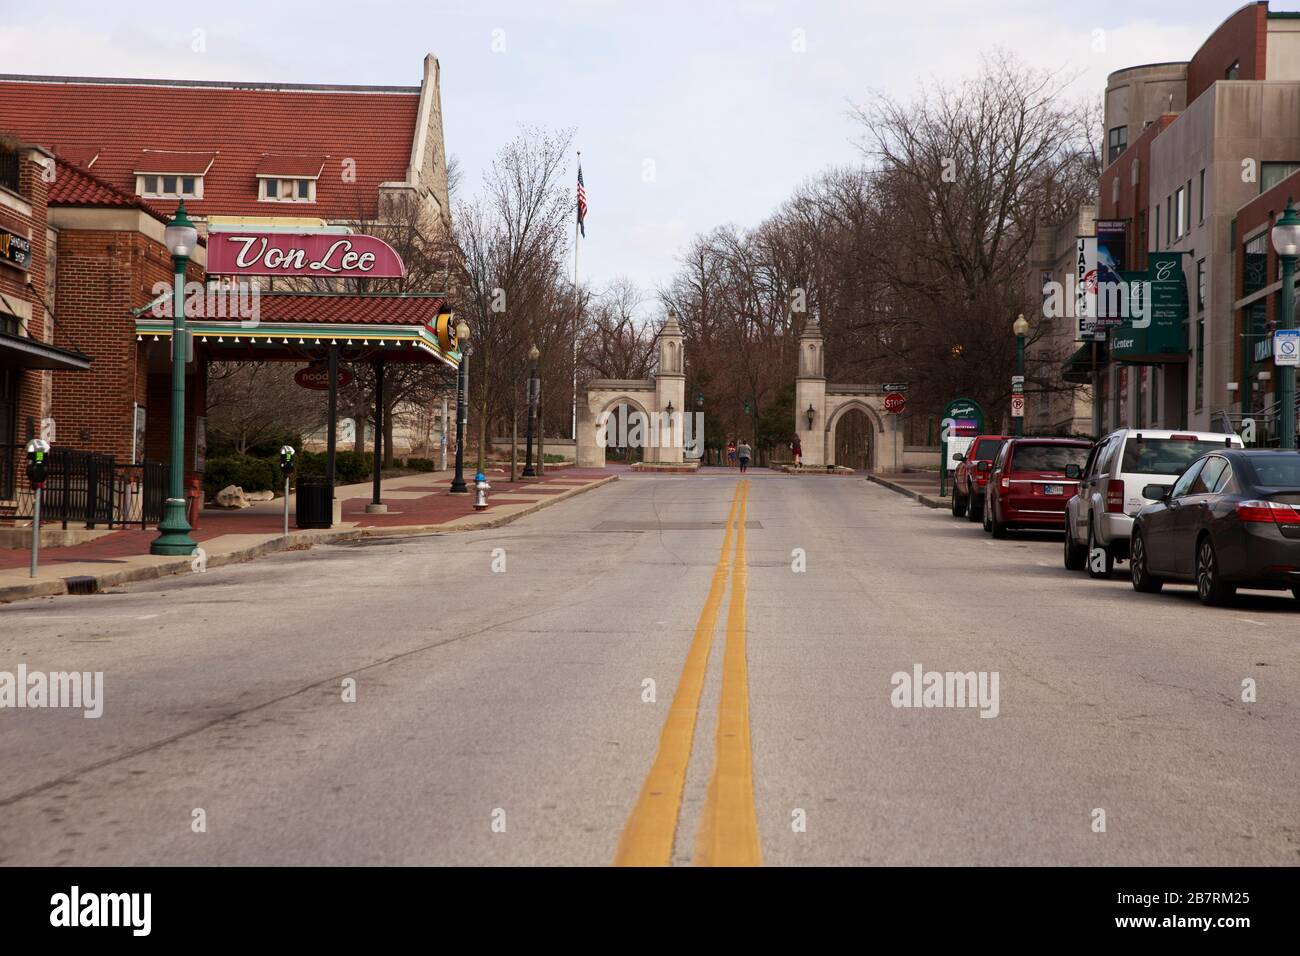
(302,254)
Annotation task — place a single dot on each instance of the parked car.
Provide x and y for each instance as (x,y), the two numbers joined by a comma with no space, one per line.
(968,480)
(1027,484)
(1231,520)
(1100,517)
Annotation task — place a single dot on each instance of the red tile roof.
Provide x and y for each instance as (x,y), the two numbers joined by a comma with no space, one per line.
(76,186)
(363,308)
(173,161)
(290,166)
(371,129)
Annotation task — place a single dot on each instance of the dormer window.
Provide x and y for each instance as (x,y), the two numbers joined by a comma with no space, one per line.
(171,174)
(169,186)
(288,178)
(287,190)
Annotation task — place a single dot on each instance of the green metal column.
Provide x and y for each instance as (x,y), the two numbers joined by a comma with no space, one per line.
(174,531)
(1286,373)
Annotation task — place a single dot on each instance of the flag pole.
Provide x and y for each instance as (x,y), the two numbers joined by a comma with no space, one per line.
(574,426)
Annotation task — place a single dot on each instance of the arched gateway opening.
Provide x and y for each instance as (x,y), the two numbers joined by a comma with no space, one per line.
(852,440)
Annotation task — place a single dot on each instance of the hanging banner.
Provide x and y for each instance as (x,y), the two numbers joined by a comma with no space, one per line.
(1156,331)
(315,255)
(1112,245)
(1085,303)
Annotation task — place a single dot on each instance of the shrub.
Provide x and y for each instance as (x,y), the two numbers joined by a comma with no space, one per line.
(349,467)
(246,471)
(420,464)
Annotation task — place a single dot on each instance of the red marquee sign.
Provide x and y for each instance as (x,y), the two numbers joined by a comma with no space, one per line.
(315,254)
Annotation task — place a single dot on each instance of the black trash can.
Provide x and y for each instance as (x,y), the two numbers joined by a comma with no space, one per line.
(315,503)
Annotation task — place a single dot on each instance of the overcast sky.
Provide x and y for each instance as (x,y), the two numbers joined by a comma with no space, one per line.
(733,103)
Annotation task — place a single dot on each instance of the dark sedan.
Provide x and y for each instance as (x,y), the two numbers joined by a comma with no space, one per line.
(1231,520)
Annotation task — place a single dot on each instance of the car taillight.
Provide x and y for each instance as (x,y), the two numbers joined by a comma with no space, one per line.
(1005,483)
(1268,512)
(1114,497)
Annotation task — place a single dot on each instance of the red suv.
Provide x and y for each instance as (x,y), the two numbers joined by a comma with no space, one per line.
(969,479)
(1027,484)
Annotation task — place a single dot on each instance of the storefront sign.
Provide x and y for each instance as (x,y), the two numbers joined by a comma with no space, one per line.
(318,377)
(1085,275)
(15,250)
(315,255)
(1162,335)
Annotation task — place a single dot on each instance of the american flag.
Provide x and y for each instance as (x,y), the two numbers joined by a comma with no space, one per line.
(582,203)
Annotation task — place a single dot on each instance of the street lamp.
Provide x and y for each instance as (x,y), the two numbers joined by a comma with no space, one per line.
(533,355)
(462,407)
(1286,240)
(811,413)
(180,237)
(1021,328)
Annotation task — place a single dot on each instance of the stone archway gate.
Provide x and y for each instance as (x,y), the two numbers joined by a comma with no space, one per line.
(667,391)
(828,403)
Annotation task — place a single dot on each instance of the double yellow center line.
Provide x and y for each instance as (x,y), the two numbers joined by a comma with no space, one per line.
(728,828)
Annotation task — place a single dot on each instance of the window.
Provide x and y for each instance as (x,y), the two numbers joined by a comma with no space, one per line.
(1163,456)
(168,186)
(288,190)
(1270,174)
(1155,394)
(1221,486)
(1048,457)
(1185,481)
(1187,222)
(1157,227)
(1200,285)
(1200,199)
(1117,142)
(1209,476)
(1169,221)
(1180,208)
(1233,71)
(1200,364)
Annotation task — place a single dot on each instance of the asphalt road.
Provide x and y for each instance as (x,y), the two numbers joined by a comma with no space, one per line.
(505,717)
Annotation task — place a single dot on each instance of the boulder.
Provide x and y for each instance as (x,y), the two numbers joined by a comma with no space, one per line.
(260,495)
(232,496)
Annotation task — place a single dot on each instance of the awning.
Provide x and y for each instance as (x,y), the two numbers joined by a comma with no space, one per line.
(19,351)
(1077,369)
(292,325)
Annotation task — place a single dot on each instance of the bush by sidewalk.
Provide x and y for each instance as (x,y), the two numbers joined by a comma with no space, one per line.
(246,471)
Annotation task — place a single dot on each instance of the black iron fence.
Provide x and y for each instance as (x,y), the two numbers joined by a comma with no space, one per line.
(84,487)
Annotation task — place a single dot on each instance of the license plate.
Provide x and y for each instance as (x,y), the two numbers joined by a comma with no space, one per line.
(1053,489)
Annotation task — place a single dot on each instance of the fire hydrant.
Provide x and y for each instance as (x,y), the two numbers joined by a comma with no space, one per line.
(481,488)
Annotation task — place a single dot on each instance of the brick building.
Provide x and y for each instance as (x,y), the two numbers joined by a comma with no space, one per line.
(1189,146)
(92,169)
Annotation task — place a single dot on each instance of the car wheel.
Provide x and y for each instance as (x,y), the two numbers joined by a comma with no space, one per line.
(986,511)
(1295,593)
(975,510)
(1108,560)
(959,503)
(1076,555)
(1137,565)
(998,528)
(1210,586)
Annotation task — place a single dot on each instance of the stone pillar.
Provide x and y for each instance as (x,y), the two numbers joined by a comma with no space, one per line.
(670,388)
(810,391)
(590,453)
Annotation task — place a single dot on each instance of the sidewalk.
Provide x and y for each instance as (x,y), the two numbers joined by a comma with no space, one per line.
(922,486)
(417,504)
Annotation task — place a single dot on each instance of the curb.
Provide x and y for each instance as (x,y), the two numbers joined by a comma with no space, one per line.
(296,542)
(914,495)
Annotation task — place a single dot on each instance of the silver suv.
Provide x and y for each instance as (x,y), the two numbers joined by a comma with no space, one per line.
(1099,518)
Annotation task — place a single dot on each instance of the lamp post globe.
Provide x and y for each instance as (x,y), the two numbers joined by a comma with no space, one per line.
(462,407)
(1286,242)
(180,237)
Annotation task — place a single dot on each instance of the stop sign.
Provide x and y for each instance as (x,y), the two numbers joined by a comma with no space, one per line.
(895,402)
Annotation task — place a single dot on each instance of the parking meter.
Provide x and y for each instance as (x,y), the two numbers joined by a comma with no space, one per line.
(286,469)
(37,449)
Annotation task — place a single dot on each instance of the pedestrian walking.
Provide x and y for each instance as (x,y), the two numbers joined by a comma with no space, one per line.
(744,453)
(796,449)
(731,453)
